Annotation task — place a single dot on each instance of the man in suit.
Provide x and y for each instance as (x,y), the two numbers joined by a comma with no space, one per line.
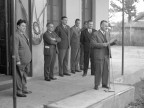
(50,49)
(23,58)
(85,41)
(63,31)
(100,42)
(75,47)
(81,63)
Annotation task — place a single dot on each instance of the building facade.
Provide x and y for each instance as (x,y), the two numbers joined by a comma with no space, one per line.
(38,13)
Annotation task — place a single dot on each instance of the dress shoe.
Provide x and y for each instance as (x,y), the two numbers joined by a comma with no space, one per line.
(84,74)
(78,71)
(105,86)
(96,88)
(61,75)
(73,71)
(27,92)
(48,79)
(52,78)
(21,95)
(67,74)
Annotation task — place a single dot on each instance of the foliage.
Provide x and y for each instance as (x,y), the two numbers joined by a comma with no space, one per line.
(129,7)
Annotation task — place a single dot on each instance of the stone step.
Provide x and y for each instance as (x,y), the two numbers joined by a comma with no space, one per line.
(101,98)
(5,82)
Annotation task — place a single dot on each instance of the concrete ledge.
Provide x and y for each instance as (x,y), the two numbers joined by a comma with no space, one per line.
(98,98)
(130,79)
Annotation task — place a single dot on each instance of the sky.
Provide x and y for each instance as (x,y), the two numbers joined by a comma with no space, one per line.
(140,6)
(118,16)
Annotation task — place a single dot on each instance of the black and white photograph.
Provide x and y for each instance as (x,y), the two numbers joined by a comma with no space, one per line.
(71,53)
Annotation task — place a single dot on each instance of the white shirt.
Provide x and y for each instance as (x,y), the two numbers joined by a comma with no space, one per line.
(90,30)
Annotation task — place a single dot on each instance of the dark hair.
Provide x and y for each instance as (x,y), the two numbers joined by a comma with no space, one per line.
(103,22)
(20,21)
(63,17)
(89,21)
(48,24)
(77,20)
(85,22)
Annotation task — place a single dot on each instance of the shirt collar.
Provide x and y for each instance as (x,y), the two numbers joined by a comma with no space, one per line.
(64,26)
(102,32)
(20,32)
(49,31)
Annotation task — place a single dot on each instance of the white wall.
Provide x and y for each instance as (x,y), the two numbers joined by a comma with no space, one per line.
(100,11)
(37,50)
(73,11)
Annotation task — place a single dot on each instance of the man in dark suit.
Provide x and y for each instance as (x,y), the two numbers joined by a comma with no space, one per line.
(85,41)
(50,49)
(63,31)
(81,63)
(23,58)
(75,47)
(100,42)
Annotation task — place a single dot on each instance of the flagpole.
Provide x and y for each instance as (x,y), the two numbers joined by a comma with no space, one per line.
(13,53)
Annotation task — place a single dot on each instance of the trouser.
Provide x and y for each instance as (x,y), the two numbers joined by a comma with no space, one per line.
(49,63)
(63,60)
(101,71)
(21,80)
(81,57)
(75,56)
(88,55)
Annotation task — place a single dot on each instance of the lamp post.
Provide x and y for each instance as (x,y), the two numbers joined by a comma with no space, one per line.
(122,37)
(13,8)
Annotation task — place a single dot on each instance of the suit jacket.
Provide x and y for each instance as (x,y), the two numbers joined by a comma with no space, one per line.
(85,39)
(50,42)
(64,34)
(75,37)
(97,43)
(22,49)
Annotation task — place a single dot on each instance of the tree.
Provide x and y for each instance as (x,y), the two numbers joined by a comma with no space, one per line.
(129,7)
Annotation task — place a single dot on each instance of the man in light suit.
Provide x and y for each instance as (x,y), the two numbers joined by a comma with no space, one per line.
(23,58)
(100,43)
(63,31)
(75,47)
(85,41)
(50,49)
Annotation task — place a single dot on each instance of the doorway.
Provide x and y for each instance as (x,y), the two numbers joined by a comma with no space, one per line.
(5,56)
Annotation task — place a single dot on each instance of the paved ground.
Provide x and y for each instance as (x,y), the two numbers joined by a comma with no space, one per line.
(134,60)
(49,92)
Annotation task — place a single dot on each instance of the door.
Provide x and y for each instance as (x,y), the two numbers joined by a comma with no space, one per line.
(4,51)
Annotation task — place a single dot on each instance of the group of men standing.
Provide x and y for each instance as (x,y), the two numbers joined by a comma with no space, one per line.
(63,38)
(87,44)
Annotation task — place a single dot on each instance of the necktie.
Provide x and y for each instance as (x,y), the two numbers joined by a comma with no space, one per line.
(104,35)
(27,41)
